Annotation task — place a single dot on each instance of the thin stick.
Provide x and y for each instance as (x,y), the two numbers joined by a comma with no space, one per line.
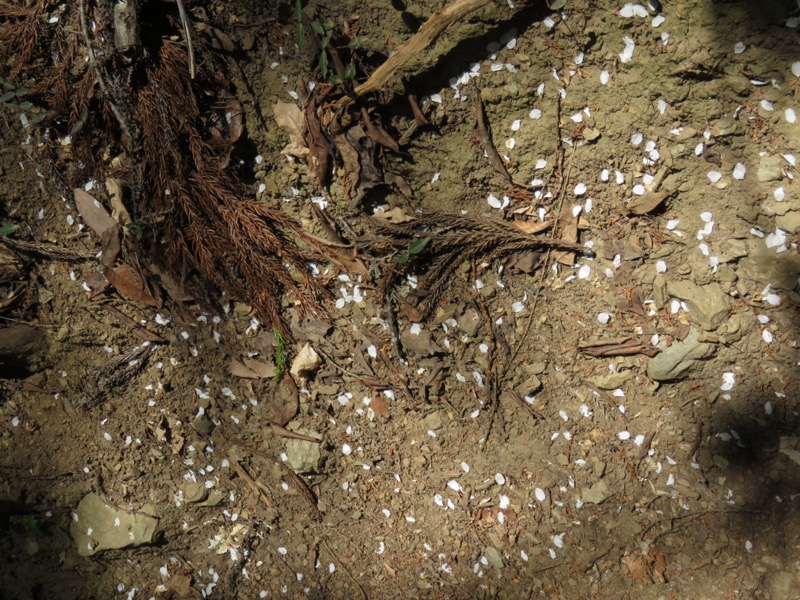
(430,30)
(485,135)
(187,32)
(250,481)
(123,122)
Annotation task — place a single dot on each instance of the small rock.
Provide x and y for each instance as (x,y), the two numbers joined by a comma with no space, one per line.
(770,168)
(202,424)
(708,304)
(492,554)
(434,421)
(611,381)
(781,584)
(420,344)
(724,127)
(596,494)
(530,386)
(674,361)
(764,265)
(660,291)
(306,362)
(303,456)
(195,492)
(97,526)
(789,222)
(470,322)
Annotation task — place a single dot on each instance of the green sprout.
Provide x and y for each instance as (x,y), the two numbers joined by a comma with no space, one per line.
(8,229)
(415,247)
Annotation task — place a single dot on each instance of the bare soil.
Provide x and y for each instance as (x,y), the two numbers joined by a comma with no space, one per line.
(502,459)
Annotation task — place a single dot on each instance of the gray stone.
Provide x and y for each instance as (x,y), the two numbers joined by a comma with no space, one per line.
(530,386)
(674,361)
(781,584)
(303,456)
(764,265)
(660,291)
(195,492)
(419,344)
(770,168)
(492,554)
(434,421)
(596,494)
(789,222)
(611,381)
(708,304)
(470,322)
(98,526)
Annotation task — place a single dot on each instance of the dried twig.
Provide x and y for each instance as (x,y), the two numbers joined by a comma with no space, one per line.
(187,32)
(485,135)
(430,30)
(121,119)
(453,239)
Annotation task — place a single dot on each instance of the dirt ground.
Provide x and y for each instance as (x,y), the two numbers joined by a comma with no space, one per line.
(624,425)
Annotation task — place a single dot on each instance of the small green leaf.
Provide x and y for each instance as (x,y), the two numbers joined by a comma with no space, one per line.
(301,37)
(25,105)
(323,65)
(21,92)
(6,84)
(334,79)
(8,229)
(557,4)
(7,96)
(418,246)
(350,72)
(318,29)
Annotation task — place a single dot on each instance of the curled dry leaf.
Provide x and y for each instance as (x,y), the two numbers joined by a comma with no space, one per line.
(379,407)
(131,285)
(569,233)
(395,215)
(533,228)
(290,119)
(103,224)
(285,401)
(93,213)
(250,368)
(646,203)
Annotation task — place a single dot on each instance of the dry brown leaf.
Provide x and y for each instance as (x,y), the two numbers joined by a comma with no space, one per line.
(646,203)
(234,114)
(93,213)
(529,227)
(379,407)
(659,566)
(290,119)
(110,245)
(569,233)
(637,567)
(115,195)
(249,368)
(395,215)
(130,285)
(284,402)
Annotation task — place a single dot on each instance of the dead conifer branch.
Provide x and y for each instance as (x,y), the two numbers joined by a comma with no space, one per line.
(454,239)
